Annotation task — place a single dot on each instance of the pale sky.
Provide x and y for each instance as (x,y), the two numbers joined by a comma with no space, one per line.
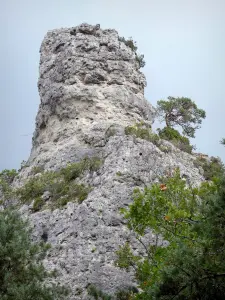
(183,42)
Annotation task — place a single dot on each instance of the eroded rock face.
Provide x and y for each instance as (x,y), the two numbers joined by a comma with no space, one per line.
(89,80)
(91,89)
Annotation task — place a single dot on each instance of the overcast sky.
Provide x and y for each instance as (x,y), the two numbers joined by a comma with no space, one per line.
(183,42)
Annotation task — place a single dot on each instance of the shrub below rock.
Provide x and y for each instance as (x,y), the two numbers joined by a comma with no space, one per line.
(139,130)
(179,141)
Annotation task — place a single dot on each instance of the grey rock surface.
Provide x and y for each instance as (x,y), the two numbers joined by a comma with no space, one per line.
(88,81)
(91,89)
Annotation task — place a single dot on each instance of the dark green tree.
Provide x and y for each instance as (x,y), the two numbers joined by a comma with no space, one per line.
(181,112)
(22,274)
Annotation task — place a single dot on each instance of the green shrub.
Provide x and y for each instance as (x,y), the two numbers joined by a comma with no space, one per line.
(72,171)
(179,141)
(38,204)
(97,293)
(37,169)
(23,275)
(133,46)
(75,170)
(192,221)
(120,295)
(213,168)
(73,192)
(36,186)
(129,43)
(61,185)
(140,59)
(164,149)
(8,175)
(24,164)
(6,179)
(142,132)
(124,295)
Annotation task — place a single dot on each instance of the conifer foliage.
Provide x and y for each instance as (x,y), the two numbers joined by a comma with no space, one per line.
(22,274)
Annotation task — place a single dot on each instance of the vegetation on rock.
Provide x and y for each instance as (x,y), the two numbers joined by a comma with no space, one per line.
(133,46)
(192,221)
(6,178)
(181,112)
(141,131)
(222,142)
(22,274)
(212,167)
(120,295)
(61,185)
(179,141)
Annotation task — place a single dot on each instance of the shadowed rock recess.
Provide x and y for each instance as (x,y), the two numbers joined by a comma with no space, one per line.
(90,89)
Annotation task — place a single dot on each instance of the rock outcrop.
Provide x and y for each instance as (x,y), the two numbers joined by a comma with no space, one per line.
(91,89)
(89,81)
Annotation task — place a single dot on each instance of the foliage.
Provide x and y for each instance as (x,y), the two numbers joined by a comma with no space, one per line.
(24,164)
(6,179)
(213,167)
(37,169)
(181,112)
(179,141)
(133,46)
(119,173)
(165,149)
(139,130)
(129,43)
(38,204)
(192,221)
(61,185)
(75,170)
(222,142)
(8,175)
(22,274)
(119,295)
(97,293)
(140,59)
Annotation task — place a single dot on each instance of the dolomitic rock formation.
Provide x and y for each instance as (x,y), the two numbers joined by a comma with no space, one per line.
(89,81)
(91,89)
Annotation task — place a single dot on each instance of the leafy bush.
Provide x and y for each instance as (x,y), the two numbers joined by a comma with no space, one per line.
(133,46)
(140,60)
(142,132)
(6,179)
(75,170)
(8,175)
(37,169)
(61,185)
(164,149)
(129,43)
(22,274)
(213,168)
(192,221)
(120,295)
(179,141)
(97,293)
(36,186)
(38,203)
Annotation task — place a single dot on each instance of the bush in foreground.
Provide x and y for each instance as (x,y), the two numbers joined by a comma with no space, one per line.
(192,221)
(22,274)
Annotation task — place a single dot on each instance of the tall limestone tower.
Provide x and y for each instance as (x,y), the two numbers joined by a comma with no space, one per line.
(91,89)
(89,81)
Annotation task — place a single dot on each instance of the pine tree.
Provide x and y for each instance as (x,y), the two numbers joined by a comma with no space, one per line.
(22,274)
